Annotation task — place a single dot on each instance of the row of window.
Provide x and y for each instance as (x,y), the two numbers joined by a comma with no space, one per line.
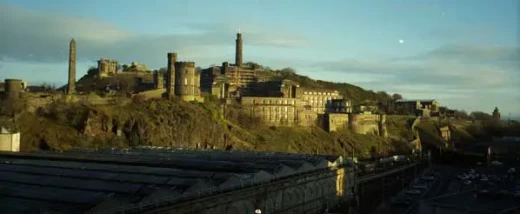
(321,93)
(277,102)
(317,98)
(276,117)
(275,109)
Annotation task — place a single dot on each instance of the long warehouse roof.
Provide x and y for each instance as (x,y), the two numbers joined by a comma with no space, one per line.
(79,181)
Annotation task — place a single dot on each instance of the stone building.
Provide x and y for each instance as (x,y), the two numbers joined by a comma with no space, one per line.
(182,80)
(339,106)
(279,111)
(239,77)
(417,107)
(336,121)
(337,114)
(283,88)
(318,99)
(365,108)
(9,142)
(365,123)
(71,86)
(13,88)
(170,75)
(368,124)
(220,88)
(158,80)
(187,82)
(134,67)
(208,77)
(107,67)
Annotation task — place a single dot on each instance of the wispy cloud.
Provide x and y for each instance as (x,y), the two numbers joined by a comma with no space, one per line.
(456,73)
(34,36)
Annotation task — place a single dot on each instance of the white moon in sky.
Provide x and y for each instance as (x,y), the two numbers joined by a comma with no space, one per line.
(401,41)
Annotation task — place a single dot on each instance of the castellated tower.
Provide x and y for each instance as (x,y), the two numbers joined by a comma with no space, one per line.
(158,80)
(106,67)
(72,67)
(187,81)
(170,84)
(238,51)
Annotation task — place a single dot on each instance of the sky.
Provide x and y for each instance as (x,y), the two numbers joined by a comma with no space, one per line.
(463,53)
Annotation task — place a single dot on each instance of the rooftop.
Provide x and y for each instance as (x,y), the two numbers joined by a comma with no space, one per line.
(422,101)
(78,181)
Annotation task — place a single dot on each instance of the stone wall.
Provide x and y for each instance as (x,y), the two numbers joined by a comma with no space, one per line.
(367,123)
(187,84)
(13,87)
(158,80)
(336,121)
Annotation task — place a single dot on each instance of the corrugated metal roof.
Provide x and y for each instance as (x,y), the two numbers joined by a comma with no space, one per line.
(82,180)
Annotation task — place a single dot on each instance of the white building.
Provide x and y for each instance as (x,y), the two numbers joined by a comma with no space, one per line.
(9,142)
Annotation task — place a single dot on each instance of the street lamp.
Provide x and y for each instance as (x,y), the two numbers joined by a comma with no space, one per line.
(258,211)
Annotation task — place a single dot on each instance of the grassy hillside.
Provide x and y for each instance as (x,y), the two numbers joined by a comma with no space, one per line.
(356,94)
(429,134)
(63,126)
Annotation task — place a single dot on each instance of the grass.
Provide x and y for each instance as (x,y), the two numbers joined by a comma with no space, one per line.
(173,123)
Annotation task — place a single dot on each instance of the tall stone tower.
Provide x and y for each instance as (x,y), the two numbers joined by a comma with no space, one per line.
(72,68)
(187,82)
(158,79)
(238,51)
(170,85)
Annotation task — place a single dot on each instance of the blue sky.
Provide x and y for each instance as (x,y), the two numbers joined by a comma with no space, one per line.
(463,53)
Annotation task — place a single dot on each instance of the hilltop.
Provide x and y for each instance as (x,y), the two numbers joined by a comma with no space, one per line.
(173,123)
(357,94)
(121,121)
(61,125)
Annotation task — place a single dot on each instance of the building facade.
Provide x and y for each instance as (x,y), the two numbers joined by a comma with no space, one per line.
(158,80)
(279,111)
(187,82)
(107,67)
(9,142)
(318,99)
(339,106)
(13,88)
(422,107)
